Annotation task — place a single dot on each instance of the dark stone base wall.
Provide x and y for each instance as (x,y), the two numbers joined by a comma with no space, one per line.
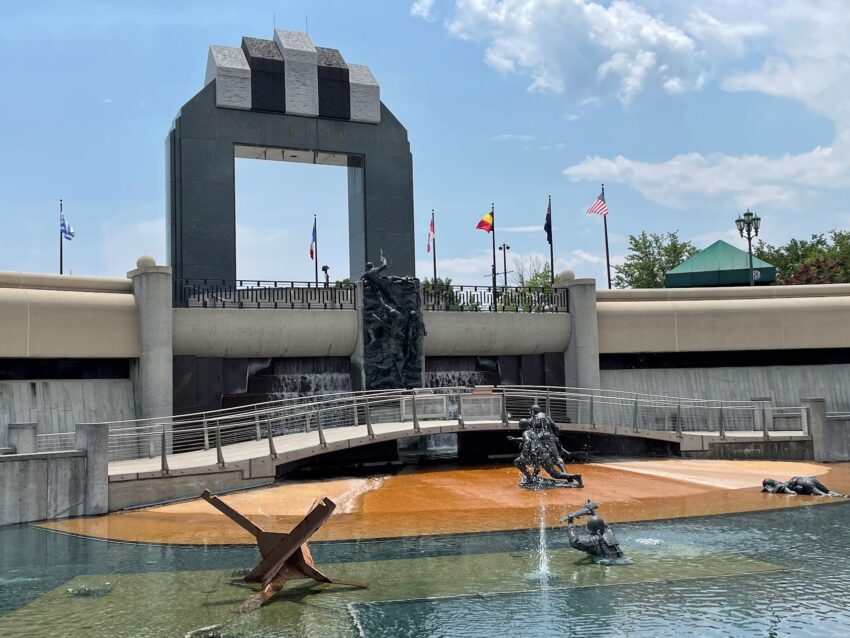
(773,450)
(480,445)
(210,383)
(27,369)
(353,458)
(539,369)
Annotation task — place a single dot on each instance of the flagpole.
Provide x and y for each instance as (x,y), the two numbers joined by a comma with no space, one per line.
(551,249)
(493,267)
(61,256)
(434,247)
(607,256)
(316,252)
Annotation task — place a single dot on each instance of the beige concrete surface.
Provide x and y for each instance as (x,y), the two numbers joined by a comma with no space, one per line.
(495,333)
(732,292)
(67,324)
(682,324)
(44,281)
(264,332)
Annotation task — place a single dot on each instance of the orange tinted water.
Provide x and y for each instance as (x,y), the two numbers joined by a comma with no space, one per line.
(470,499)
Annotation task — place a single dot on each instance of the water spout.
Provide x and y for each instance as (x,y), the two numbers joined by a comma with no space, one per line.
(542,549)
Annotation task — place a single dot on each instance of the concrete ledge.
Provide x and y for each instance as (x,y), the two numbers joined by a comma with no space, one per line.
(735,292)
(161,489)
(41,281)
(63,454)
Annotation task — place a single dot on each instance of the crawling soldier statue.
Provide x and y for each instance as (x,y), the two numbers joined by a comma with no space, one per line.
(803,485)
(597,539)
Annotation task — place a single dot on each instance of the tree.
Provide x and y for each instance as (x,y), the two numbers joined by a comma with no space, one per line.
(650,257)
(532,272)
(823,259)
(533,292)
(438,294)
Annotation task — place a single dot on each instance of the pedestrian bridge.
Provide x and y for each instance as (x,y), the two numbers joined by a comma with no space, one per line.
(160,459)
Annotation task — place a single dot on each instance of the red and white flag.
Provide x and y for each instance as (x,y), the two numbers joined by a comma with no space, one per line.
(598,207)
(430,233)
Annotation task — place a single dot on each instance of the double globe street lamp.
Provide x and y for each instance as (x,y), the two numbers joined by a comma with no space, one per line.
(749,224)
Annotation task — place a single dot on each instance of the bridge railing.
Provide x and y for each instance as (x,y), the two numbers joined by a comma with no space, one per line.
(254,293)
(212,430)
(311,417)
(55,441)
(653,412)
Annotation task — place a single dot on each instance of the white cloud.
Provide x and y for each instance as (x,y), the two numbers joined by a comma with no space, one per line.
(475,270)
(423,9)
(796,49)
(745,179)
(512,137)
(521,229)
(806,57)
(573,44)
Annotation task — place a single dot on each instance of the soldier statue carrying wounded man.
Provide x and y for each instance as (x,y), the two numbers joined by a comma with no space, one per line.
(541,450)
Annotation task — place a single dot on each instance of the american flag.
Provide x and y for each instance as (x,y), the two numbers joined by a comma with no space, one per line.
(598,207)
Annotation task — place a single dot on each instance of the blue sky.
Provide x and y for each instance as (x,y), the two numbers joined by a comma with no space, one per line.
(688,112)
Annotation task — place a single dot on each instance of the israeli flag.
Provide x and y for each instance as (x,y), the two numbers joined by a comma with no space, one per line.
(65,228)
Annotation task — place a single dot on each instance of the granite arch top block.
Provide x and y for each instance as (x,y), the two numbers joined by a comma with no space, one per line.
(268,91)
(365,94)
(334,91)
(290,75)
(229,67)
(302,79)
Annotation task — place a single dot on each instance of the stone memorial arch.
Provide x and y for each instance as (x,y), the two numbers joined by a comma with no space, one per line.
(286,100)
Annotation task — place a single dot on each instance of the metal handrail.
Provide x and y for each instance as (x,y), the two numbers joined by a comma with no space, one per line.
(462,298)
(318,414)
(258,293)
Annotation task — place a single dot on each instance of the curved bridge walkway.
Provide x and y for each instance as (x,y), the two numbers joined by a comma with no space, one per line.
(255,439)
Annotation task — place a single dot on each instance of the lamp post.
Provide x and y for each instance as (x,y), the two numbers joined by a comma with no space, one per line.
(504,248)
(749,224)
(325,270)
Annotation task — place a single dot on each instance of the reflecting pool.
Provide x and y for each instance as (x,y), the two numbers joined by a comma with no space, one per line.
(774,573)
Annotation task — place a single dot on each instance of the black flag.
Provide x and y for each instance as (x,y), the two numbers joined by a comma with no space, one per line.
(548,225)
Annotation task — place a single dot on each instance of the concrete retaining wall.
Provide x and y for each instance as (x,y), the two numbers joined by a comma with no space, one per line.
(711,319)
(786,385)
(42,486)
(495,333)
(57,405)
(68,324)
(253,332)
(838,437)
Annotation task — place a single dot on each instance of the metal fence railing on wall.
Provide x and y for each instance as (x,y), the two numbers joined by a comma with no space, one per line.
(506,299)
(243,293)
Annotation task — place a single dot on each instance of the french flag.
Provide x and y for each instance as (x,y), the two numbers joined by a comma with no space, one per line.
(313,241)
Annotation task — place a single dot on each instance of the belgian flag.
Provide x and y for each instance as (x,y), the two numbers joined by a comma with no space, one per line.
(486,223)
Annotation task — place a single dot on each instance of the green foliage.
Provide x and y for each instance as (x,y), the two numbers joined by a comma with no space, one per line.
(650,257)
(439,294)
(532,278)
(532,272)
(342,283)
(823,259)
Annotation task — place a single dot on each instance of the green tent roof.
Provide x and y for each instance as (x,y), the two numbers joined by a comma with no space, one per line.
(721,264)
